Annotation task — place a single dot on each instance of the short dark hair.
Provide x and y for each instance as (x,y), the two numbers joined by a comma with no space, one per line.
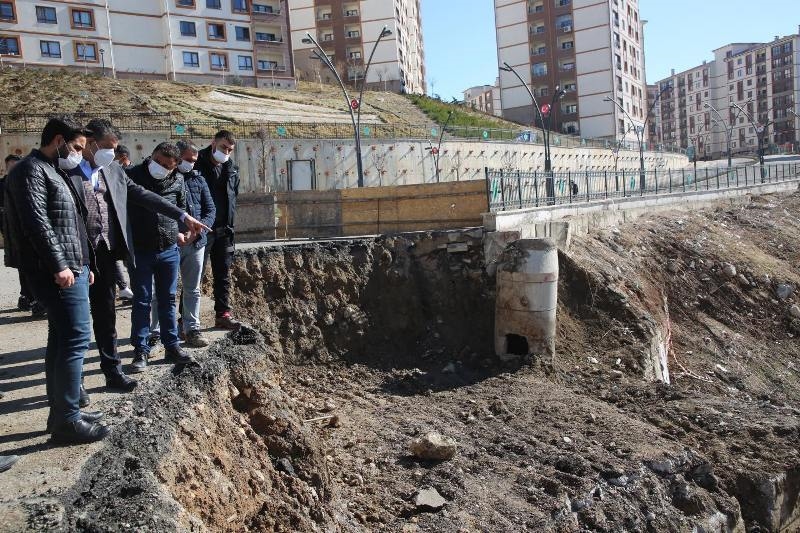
(100,128)
(13,157)
(62,125)
(122,150)
(168,150)
(184,145)
(225,134)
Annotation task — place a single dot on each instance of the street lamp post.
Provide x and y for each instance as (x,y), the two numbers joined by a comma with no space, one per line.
(103,62)
(728,129)
(353,106)
(639,131)
(542,112)
(760,130)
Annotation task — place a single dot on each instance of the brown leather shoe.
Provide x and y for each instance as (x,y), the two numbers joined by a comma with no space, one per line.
(226,321)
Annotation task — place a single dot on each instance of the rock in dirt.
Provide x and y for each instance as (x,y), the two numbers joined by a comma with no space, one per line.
(728,270)
(794,311)
(673,266)
(429,500)
(433,447)
(783,291)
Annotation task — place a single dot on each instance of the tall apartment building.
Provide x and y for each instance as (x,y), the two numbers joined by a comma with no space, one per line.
(485,98)
(761,78)
(184,40)
(347,31)
(592,49)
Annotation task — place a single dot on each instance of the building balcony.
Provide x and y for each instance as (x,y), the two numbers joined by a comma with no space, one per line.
(265,12)
(270,43)
(272,69)
(539,74)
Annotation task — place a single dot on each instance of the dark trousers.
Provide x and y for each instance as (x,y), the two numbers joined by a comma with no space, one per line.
(220,250)
(68,337)
(24,287)
(163,268)
(119,275)
(102,296)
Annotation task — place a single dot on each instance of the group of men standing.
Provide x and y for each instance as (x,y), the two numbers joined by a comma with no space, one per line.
(72,211)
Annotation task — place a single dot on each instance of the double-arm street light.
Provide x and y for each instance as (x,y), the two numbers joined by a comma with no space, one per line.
(542,112)
(760,129)
(728,129)
(639,131)
(353,106)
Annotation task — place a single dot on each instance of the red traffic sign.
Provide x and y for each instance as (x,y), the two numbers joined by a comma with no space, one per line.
(435,151)
(545,109)
(354,104)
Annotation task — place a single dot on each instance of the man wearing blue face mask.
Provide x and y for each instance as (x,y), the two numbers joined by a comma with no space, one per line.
(108,193)
(156,239)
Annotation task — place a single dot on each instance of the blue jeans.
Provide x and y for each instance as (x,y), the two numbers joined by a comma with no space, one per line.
(163,266)
(68,336)
(191,272)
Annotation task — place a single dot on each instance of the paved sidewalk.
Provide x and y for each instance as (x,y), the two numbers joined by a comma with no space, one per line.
(45,471)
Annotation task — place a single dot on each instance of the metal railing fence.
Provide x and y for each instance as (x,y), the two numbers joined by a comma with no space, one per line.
(514,189)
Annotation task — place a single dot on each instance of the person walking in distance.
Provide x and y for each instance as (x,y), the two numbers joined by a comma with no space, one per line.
(200,205)
(47,239)
(222,176)
(156,239)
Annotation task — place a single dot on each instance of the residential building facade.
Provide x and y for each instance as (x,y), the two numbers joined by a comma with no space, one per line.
(208,41)
(348,29)
(762,79)
(593,50)
(485,98)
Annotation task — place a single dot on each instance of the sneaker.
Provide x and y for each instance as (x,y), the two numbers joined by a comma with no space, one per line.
(226,321)
(153,340)
(7,461)
(195,339)
(38,310)
(23,304)
(125,294)
(176,356)
(139,363)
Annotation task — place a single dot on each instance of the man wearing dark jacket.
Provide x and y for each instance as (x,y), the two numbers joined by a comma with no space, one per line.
(155,240)
(199,204)
(47,239)
(222,176)
(109,195)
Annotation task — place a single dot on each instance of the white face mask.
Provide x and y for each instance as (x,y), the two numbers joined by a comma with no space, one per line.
(220,157)
(103,157)
(186,166)
(71,162)
(157,171)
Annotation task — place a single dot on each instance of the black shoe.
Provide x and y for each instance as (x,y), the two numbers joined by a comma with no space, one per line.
(79,432)
(23,304)
(87,416)
(176,356)
(139,363)
(85,400)
(153,340)
(7,461)
(119,381)
(38,310)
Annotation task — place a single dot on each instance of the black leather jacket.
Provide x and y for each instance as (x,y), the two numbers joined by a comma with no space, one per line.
(153,232)
(45,226)
(224,189)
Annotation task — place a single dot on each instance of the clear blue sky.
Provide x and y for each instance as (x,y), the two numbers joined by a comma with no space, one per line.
(461,52)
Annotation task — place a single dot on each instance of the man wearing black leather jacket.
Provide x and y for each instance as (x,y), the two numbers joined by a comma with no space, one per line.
(222,176)
(47,239)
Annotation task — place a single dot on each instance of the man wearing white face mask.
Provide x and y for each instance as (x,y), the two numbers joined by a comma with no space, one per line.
(107,192)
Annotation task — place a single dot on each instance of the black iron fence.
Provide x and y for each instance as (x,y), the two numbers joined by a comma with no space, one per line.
(177,127)
(513,189)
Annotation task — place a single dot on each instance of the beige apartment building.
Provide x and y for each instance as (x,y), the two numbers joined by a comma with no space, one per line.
(485,98)
(210,41)
(592,49)
(761,78)
(348,29)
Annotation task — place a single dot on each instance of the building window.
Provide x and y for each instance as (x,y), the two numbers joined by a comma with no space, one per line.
(539,69)
(9,46)
(245,63)
(218,61)
(239,6)
(46,15)
(50,48)
(216,31)
(184,3)
(191,59)
(188,29)
(263,8)
(242,33)
(82,19)
(86,52)
(267,65)
(7,12)
(214,4)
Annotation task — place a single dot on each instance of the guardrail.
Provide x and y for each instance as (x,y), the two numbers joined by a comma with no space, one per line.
(513,189)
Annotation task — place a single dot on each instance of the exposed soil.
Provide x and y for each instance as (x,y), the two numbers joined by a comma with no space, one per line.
(303,423)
